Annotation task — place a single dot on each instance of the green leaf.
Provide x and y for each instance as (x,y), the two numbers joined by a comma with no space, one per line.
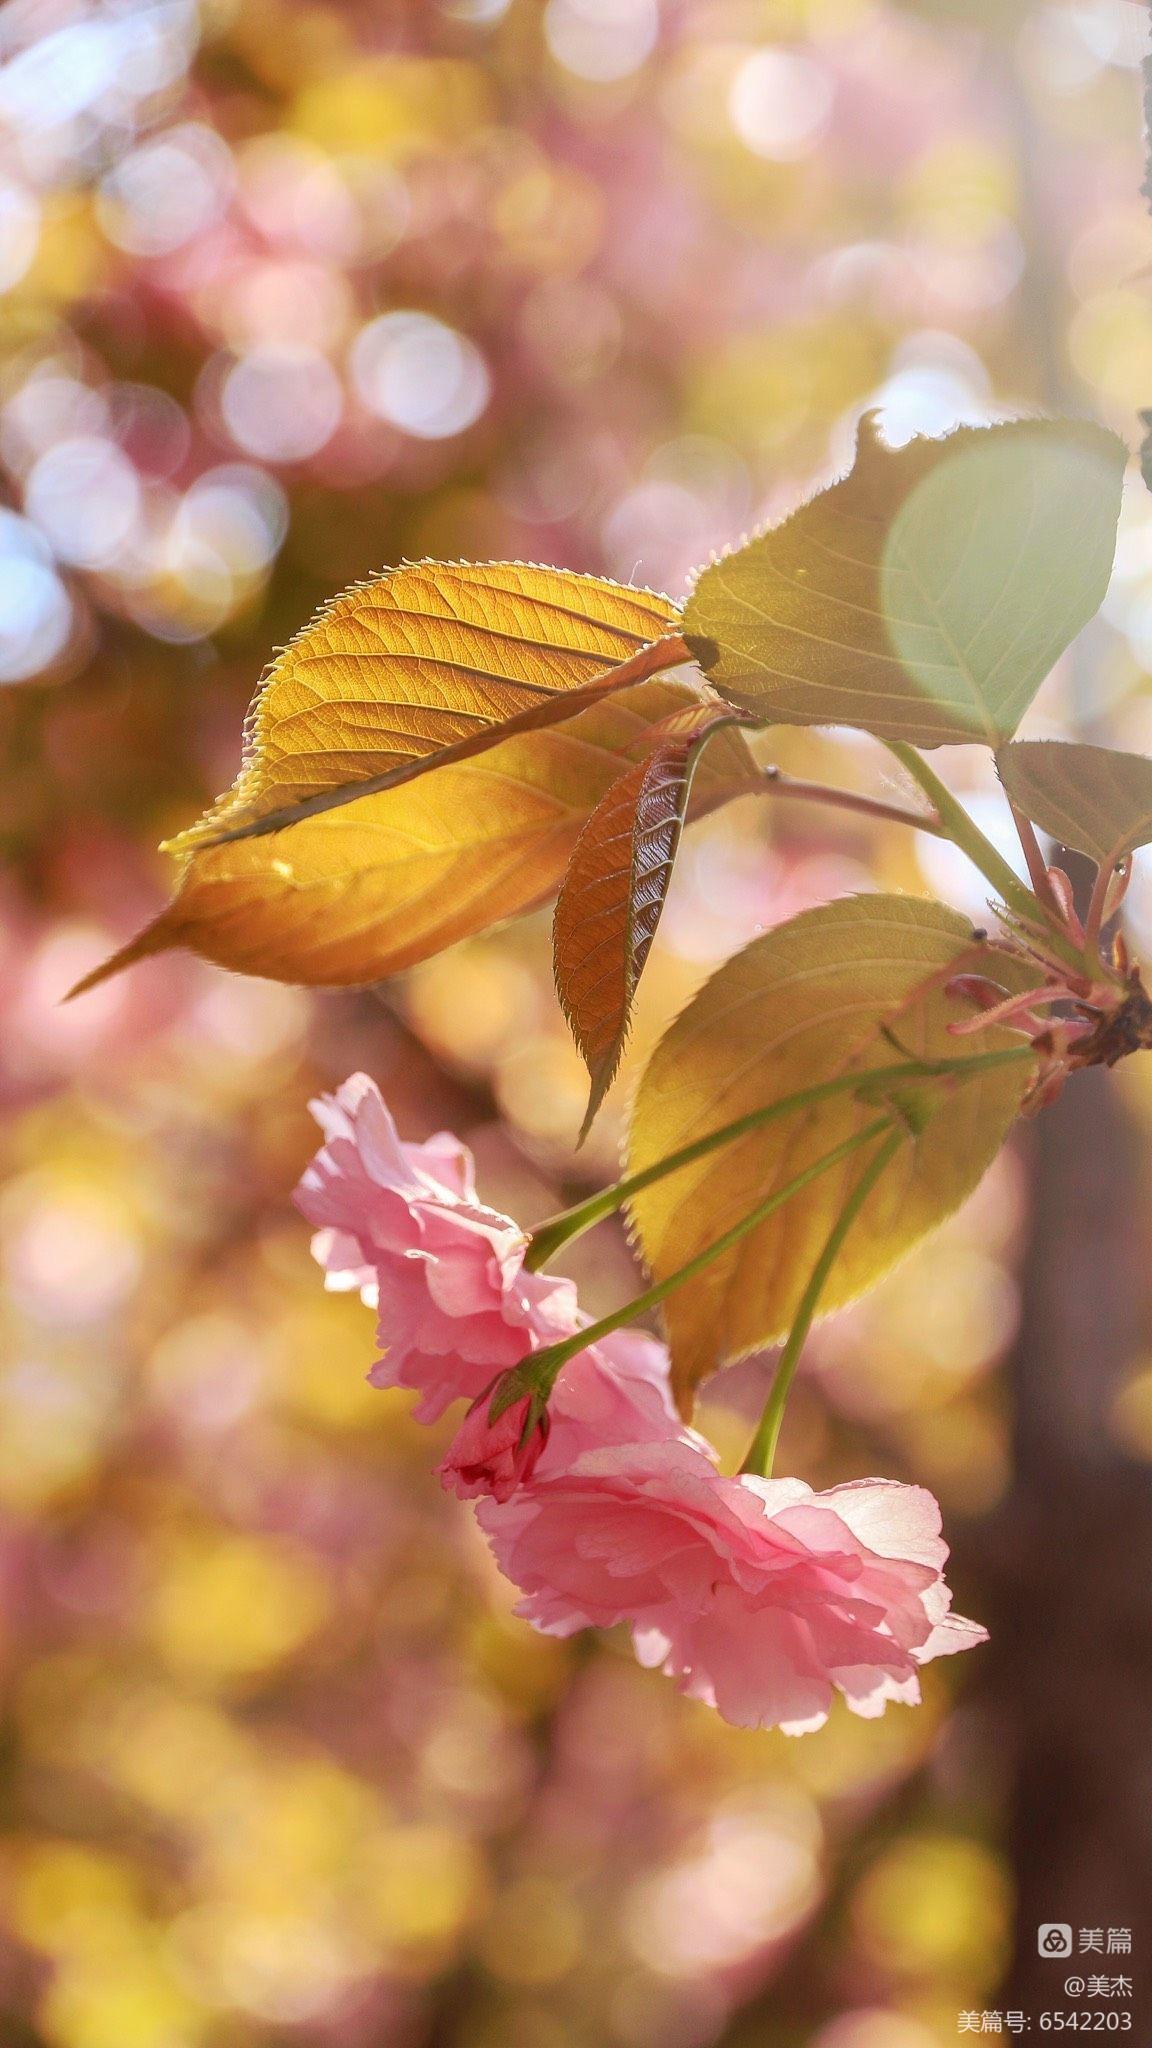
(806,1003)
(1095,799)
(352,895)
(926,595)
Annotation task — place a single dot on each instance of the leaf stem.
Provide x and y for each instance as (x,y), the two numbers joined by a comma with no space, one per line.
(572,1223)
(541,1367)
(763,1446)
(963,832)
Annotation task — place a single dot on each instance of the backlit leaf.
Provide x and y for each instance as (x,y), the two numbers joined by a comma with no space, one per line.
(1095,799)
(925,596)
(802,1005)
(355,894)
(428,656)
(613,894)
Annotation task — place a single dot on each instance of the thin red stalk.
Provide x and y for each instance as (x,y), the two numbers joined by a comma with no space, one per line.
(776,784)
(1037,865)
(1001,1012)
(1094,922)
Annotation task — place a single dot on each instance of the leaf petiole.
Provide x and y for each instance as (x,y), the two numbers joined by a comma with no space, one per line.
(763,1447)
(572,1223)
(1037,867)
(776,783)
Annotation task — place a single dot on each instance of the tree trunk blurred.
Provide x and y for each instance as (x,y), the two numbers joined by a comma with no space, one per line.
(1072,1585)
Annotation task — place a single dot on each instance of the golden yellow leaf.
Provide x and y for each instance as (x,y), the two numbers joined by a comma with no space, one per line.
(803,1005)
(355,894)
(428,656)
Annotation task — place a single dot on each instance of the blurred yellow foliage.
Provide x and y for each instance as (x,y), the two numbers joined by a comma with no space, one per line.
(392,106)
(936,1907)
(222,1606)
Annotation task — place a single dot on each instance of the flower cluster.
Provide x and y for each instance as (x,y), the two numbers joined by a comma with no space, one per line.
(759,1596)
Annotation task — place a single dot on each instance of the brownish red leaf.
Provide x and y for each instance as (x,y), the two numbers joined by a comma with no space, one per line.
(613,894)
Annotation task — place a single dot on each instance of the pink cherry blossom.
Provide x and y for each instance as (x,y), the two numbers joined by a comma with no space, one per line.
(759,1596)
(403,1224)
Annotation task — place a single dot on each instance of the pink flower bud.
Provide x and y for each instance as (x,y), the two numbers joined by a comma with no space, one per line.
(495,1457)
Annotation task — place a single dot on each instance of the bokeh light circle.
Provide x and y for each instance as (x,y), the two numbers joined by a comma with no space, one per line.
(165,192)
(85,495)
(281,403)
(779,103)
(420,375)
(602,41)
(35,610)
(19,232)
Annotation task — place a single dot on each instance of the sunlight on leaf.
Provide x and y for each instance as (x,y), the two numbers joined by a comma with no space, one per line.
(356,894)
(427,656)
(926,595)
(1095,799)
(801,1005)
